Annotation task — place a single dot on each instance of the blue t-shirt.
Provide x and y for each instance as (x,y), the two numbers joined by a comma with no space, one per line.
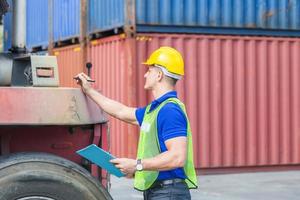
(171,123)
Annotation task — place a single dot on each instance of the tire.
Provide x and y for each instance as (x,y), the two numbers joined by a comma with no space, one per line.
(41,176)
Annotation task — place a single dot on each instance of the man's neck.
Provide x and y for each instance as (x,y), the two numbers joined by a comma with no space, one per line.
(160,91)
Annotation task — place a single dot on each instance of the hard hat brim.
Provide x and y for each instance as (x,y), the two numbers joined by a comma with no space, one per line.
(146,63)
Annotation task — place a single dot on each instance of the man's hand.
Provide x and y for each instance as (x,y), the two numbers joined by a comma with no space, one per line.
(82,80)
(126,165)
(112,107)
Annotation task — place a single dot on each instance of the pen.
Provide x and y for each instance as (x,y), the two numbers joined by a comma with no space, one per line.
(88,80)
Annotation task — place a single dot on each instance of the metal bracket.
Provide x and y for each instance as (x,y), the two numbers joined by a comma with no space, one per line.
(33,70)
(44,71)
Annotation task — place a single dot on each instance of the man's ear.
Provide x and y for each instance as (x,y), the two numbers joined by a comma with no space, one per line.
(160,75)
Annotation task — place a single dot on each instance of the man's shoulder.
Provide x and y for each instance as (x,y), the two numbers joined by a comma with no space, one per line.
(171,110)
(170,106)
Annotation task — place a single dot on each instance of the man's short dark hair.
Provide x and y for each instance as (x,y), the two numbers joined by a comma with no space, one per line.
(171,80)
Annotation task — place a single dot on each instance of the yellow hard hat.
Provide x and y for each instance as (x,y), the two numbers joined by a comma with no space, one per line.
(168,58)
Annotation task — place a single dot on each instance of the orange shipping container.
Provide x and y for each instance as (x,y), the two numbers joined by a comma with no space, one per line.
(69,61)
(242,94)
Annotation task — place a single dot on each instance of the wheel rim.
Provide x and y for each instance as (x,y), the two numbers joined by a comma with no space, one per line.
(35,198)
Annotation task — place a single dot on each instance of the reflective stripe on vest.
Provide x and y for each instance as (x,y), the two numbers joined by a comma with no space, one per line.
(148,147)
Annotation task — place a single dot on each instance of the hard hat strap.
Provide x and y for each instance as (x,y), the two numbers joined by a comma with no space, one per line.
(167,73)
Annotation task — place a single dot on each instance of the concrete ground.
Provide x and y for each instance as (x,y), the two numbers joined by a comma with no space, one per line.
(246,186)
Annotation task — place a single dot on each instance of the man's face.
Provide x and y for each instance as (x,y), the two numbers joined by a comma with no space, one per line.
(151,76)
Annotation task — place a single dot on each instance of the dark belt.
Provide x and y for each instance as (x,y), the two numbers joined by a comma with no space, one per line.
(162,183)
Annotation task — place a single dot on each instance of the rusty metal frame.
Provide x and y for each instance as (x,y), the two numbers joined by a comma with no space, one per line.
(83,40)
(130,21)
(50,27)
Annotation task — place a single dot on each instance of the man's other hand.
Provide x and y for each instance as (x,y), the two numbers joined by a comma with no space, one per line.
(126,165)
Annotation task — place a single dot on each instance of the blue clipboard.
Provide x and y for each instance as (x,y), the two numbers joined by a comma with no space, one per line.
(101,158)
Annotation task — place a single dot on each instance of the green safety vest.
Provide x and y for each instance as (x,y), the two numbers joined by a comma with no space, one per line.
(148,147)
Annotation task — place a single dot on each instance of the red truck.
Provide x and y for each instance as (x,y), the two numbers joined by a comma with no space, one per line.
(42,126)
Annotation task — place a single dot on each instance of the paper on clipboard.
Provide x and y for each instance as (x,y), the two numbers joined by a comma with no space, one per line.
(101,158)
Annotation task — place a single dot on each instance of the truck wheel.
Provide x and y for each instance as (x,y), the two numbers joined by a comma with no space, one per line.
(41,176)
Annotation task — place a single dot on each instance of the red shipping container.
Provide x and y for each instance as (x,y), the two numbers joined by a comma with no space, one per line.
(242,94)
(69,60)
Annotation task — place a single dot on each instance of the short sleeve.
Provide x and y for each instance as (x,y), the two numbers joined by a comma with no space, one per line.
(171,122)
(139,114)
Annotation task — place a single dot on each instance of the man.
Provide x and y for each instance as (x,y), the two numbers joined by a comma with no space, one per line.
(164,167)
